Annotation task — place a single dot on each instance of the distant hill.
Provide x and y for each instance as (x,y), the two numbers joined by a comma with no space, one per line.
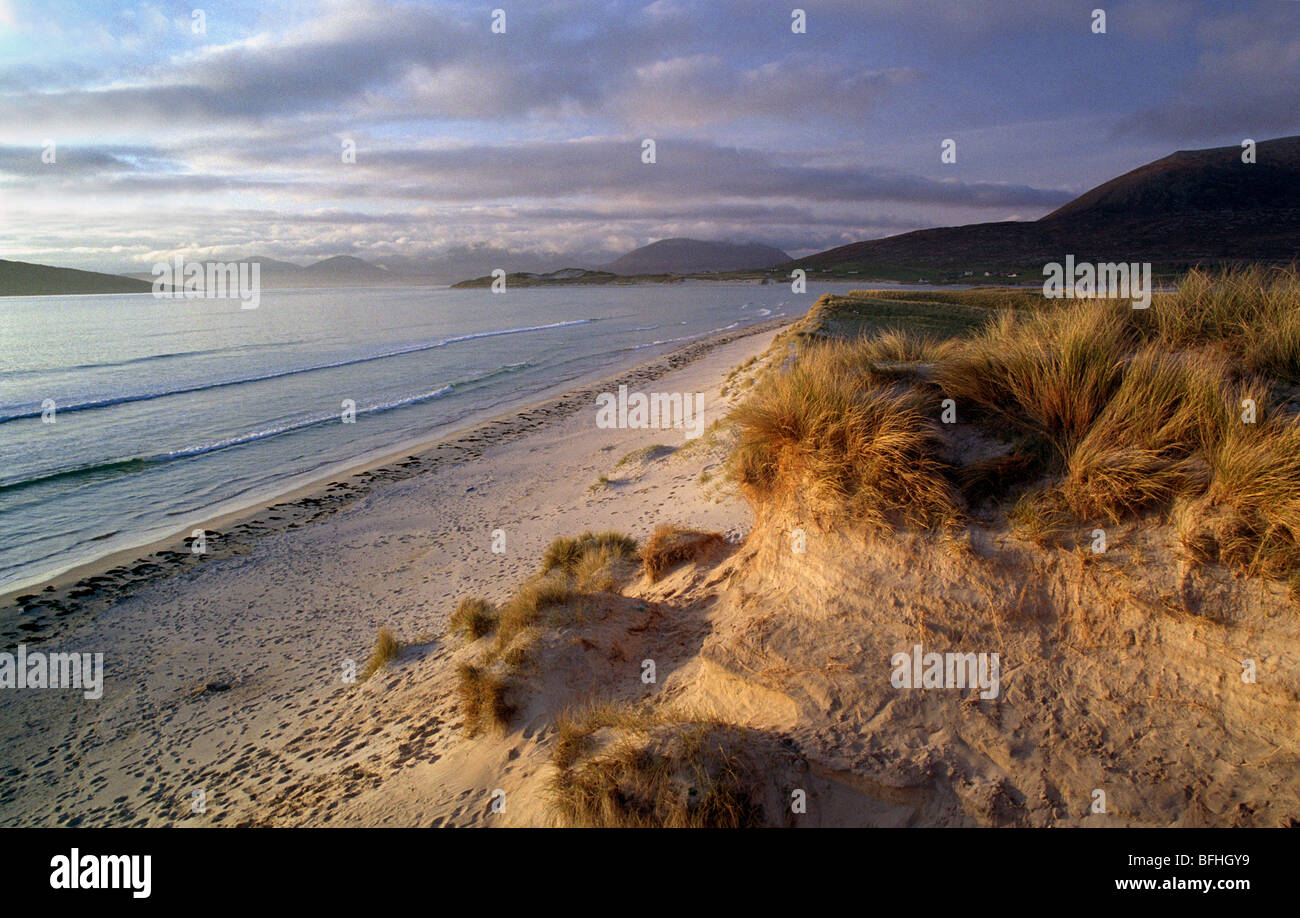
(337,271)
(691,256)
(346,268)
(19,278)
(272,265)
(1197,206)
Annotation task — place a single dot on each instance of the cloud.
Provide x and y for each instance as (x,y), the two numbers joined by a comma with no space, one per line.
(414,202)
(532,140)
(705,89)
(372,59)
(609,168)
(1246,82)
(92,163)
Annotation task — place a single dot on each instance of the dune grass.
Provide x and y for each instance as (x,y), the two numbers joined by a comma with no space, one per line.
(387,647)
(831,429)
(1040,516)
(657,772)
(670,546)
(482,699)
(1048,373)
(473,618)
(1117,412)
(565,553)
(1257,474)
(1249,313)
(1149,443)
(590,560)
(572,570)
(524,609)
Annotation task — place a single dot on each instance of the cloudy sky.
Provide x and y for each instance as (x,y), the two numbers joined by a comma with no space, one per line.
(229,140)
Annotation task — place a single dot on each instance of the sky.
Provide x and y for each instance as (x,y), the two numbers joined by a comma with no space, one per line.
(229,139)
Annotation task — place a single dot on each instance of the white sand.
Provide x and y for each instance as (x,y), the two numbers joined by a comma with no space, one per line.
(274,618)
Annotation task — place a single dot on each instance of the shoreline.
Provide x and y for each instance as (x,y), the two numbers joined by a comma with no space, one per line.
(54,604)
(229,675)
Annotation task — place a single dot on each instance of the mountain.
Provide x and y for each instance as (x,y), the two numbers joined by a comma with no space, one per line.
(689,256)
(339,270)
(345,268)
(19,278)
(272,265)
(1193,206)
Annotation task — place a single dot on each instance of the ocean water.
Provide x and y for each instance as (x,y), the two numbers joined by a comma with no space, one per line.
(168,412)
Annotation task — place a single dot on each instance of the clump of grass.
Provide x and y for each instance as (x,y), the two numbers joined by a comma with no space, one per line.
(1249,313)
(1257,474)
(1189,518)
(474,618)
(595,570)
(646,454)
(482,699)
(387,647)
(524,609)
(1275,348)
(1205,306)
(660,773)
(897,346)
(670,546)
(516,658)
(1118,482)
(565,553)
(1041,516)
(1148,444)
(824,429)
(571,568)
(574,728)
(1048,373)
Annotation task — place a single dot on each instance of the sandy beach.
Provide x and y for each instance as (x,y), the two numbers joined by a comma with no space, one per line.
(229,695)
(223,700)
